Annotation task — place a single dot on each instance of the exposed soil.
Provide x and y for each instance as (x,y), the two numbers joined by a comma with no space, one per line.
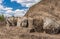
(23,33)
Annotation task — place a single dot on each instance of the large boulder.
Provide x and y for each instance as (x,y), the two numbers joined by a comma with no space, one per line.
(49,9)
(11,21)
(51,26)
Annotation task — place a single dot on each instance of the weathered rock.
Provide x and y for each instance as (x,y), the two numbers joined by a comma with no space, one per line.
(24,22)
(10,21)
(15,21)
(38,24)
(31,26)
(50,26)
(30,22)
(19,21)
(49,9)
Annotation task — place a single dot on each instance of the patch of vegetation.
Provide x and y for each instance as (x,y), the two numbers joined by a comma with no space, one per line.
(2,18)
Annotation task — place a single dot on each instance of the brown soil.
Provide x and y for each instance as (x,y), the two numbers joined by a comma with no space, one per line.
(45,8)
(23,33)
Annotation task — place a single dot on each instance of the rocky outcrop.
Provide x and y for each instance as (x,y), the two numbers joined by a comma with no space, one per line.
(38,24)
(47,9)
(11,21)
(50,26)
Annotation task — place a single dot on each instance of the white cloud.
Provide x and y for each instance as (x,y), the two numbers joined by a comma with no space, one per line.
(16,12)
(5,10)
(30,4)
(27,3)
(8,11)
(1,1)
(19,13)
(7,15)
(1,7)
(8,8)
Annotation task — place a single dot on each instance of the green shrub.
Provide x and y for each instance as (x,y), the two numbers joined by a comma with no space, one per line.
(2,18)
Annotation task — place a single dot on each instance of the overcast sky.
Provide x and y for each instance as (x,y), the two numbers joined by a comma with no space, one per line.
(15,7)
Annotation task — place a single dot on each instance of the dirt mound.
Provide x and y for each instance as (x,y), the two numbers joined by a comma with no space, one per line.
(46,9)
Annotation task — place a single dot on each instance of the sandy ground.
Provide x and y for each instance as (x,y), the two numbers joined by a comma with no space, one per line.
(23,33)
